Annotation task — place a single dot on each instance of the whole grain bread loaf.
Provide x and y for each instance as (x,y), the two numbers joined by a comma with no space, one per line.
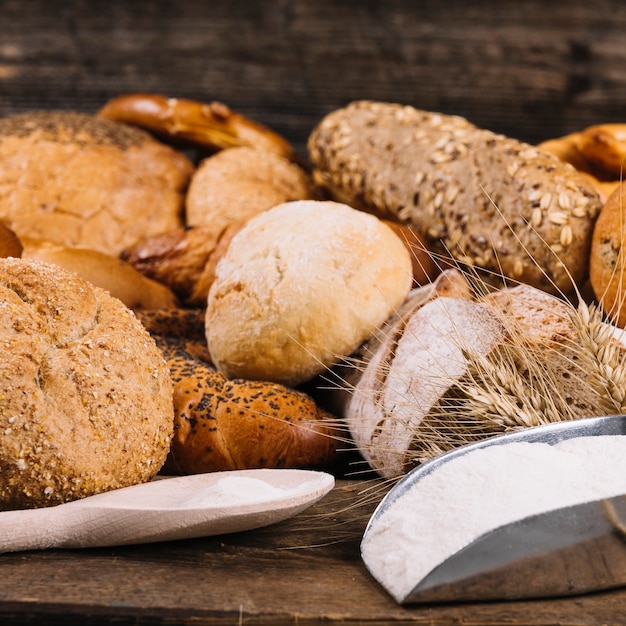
(489,201)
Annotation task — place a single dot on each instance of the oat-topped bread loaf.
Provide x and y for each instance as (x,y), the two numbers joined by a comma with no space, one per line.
(489,200)
(76,179)
(85,395)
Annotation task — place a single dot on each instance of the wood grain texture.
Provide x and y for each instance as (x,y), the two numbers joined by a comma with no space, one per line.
(531,69)
(304,571)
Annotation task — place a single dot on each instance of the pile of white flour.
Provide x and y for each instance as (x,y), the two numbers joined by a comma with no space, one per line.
(481,490)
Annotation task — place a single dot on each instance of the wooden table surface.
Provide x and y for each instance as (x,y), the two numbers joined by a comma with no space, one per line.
(531,69)
(304,571)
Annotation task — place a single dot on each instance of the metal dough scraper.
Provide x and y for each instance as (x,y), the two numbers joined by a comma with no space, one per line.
(566,551)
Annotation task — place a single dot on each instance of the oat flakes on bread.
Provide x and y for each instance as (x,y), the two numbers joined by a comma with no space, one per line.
(85,394)
(223,424)
(470,190)
(76,179)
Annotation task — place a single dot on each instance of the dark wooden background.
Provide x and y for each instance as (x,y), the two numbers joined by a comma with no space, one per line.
(531,69)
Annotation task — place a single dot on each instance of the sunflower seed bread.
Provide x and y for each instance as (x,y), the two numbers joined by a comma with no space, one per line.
(488,200)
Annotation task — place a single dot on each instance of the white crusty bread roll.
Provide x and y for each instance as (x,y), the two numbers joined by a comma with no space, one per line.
(300,286)
(108,272)
(85,394)
(79,180)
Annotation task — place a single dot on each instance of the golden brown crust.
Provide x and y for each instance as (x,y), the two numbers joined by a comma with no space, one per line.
(114,275)
(76,179)
(225,424)
(607,265)
(85,395)
(240,182)
(211,125)
(174,322)
(604,147)
(10,244)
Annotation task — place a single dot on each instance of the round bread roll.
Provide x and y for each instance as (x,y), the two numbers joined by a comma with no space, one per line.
(79,180)
(300,286)
(607,265)
(236,183)
(115,275)
(85,394)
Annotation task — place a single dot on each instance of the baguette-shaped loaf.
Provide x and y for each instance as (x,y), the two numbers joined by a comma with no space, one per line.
(490,201)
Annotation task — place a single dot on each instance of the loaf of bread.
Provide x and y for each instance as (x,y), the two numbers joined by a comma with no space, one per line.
(607,265)
(208,126)
(490,201)
(75,179)
(85,394)
(453,368)
(223,424)
(300,286)
(103,270)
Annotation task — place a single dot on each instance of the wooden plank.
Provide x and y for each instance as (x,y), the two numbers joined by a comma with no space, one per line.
(531,70)
(304,571)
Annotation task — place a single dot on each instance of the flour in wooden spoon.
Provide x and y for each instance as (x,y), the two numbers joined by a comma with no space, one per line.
(239,490)
(481,490)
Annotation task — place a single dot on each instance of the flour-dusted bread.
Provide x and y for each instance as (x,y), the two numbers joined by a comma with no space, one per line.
(458,369)
(300,286)
(490,201)
(85,394)
(76,179)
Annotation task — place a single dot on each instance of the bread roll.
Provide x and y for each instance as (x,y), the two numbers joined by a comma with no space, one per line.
(114,275)
(490,201)
(85,395)
(607,266)
(78,180)
(236,183)
(225,424)
(300,286)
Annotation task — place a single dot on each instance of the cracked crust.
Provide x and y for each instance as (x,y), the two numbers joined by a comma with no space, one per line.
(85,395)
(491,201)
(301,286)
(78,180)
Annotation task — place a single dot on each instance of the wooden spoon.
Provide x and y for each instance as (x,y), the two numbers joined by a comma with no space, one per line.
(166,509)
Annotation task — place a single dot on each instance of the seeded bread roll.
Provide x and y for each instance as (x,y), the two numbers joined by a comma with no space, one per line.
(490,201)
(300,286)
(223,424)
(85,394)
(78,180)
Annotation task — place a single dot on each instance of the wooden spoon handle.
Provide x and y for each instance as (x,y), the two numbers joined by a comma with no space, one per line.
(37,528)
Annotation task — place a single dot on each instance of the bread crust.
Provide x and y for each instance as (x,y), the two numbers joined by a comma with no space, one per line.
(75,179)
(223,424)
(85,394)
(607,265)
(300,286)
(490,201)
